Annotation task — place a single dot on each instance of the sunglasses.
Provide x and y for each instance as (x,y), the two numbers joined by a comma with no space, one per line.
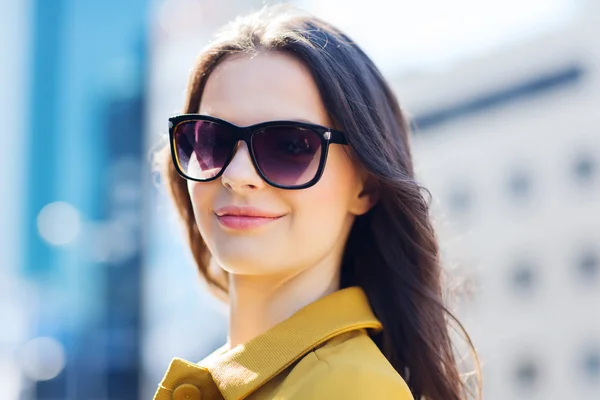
(286,154)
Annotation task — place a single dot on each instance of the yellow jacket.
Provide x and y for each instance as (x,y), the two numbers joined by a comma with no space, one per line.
(323,351)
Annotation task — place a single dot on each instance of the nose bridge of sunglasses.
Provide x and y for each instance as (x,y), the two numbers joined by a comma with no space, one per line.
(241,153)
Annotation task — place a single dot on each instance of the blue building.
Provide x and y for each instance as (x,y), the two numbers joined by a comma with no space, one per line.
(74,162)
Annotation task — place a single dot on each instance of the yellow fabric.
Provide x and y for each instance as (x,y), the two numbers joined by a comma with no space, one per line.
(323,351)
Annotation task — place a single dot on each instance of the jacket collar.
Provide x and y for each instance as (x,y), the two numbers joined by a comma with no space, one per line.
(243,369)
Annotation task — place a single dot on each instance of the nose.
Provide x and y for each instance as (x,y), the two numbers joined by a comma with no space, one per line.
(240,174)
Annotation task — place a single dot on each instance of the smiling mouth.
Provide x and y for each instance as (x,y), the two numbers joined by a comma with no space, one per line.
(244,222)
(245,217)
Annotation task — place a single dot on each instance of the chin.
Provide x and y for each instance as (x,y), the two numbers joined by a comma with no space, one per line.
(247,266)
(246,260)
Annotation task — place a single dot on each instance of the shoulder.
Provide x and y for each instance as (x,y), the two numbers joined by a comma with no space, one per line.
(348,367)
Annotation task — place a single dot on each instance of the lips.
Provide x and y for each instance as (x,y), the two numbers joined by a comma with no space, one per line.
(242,218)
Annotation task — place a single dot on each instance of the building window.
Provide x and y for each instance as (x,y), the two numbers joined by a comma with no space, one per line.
(460,199)
(588,265)
(584,168)
(520,183)
(527,374)
(591,364)
(523,277)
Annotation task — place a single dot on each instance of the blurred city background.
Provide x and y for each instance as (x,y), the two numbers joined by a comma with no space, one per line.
(97,288)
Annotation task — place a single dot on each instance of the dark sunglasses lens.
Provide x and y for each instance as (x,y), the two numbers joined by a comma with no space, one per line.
(202,148)
(287,156)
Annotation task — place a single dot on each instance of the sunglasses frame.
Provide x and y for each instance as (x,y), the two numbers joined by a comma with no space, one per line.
(246,134)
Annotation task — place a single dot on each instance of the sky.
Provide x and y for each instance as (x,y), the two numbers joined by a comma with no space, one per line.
(402,35)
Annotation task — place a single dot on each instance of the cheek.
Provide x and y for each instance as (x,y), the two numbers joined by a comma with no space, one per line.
(195,189)
(327,203)
(340,180)
(202,195)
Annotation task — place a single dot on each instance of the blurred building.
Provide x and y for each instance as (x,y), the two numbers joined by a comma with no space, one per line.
(508,143)
(14,299)
(72,172)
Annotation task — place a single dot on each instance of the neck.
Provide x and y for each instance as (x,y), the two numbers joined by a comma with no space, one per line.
(258,303)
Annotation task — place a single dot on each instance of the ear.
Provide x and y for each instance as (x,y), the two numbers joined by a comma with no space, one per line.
(367,195)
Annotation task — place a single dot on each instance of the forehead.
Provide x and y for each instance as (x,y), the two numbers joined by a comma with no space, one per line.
(249,89)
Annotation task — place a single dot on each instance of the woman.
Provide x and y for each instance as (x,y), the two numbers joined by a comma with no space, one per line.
(291,169)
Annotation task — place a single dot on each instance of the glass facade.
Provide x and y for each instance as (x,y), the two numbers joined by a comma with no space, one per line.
(84,164)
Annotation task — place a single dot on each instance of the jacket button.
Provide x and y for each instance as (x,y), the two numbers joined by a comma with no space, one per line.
(187,391)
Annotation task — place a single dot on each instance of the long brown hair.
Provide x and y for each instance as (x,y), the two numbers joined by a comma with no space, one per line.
(392,251)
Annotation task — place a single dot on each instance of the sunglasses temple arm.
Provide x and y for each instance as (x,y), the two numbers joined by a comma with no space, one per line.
(337,137)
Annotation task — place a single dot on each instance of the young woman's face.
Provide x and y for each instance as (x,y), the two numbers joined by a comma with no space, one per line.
(309,226)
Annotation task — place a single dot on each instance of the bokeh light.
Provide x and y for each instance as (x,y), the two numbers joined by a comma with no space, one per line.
(42,358)
(59,223)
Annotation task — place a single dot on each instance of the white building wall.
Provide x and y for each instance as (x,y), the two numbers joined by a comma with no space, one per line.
(535,313)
